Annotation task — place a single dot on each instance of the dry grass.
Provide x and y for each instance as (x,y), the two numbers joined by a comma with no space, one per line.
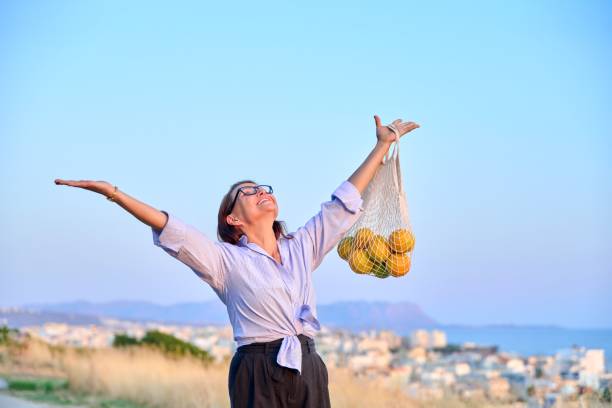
(147,376)
(346,391)
(142,375)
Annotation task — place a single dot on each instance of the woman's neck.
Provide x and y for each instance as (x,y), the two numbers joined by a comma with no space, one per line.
(264,238)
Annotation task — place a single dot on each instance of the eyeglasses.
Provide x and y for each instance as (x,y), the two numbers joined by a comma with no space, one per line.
(250,190)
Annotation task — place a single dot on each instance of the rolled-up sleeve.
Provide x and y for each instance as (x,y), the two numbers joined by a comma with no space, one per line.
(323,231)
(190,246)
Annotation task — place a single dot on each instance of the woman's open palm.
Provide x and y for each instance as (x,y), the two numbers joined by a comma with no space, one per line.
(384,134)
(101,187)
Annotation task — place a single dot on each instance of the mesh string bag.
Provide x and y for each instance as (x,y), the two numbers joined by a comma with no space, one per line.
(381,242)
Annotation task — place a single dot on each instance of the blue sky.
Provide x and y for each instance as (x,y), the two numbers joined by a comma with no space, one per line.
(508,178)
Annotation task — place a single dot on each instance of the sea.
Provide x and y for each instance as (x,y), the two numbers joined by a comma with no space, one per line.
(537,340)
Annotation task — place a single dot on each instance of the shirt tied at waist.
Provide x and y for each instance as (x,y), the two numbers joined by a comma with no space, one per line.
(290,353)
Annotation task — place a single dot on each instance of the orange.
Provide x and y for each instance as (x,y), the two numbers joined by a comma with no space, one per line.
(363,238)
(401,241)
(378,249)
(344,247)
(398,264)
(360,262)
(380,270)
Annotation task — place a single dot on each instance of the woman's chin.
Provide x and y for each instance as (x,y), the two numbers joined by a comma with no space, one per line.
(265,211)
(267,207)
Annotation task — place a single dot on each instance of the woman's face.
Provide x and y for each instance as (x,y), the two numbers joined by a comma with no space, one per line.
(251,208)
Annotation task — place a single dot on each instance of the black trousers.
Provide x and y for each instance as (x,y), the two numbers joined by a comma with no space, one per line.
(257,380)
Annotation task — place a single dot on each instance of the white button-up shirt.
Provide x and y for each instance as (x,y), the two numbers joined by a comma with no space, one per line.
(267,300)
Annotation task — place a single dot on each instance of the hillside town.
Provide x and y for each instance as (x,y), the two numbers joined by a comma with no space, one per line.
(423,364)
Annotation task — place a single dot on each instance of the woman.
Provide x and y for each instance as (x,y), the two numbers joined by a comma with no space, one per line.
(263,276)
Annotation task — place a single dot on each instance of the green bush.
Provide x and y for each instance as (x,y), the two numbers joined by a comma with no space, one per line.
(172,345)
(539,373)
(165,342)
(44,385)
(606,395)
(123,340)
(448,349)
(5,334)
(22,385)
(531,390)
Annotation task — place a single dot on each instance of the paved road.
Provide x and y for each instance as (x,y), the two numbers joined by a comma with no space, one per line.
(6,401)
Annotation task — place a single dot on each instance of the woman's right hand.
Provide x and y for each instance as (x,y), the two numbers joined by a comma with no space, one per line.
(144,212)
(101,187)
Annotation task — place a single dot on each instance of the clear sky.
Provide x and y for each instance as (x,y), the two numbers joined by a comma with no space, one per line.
(508,178)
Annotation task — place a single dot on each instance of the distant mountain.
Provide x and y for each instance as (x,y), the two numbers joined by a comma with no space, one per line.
(399,317)
(197,313)
(18,317)
(357,315)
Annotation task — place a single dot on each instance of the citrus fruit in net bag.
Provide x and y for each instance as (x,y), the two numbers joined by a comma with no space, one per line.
(345,247)
(378,249)
(380,270)
(401,241)
(363,238)
(360,262)
(398,264)
(383,239)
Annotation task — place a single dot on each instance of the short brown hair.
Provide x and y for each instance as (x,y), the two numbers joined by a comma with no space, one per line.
(229,233)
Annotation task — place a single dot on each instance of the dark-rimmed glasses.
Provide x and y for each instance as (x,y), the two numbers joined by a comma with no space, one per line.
(250,190)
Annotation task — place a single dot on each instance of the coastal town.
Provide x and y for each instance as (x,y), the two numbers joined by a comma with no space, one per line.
(423,364)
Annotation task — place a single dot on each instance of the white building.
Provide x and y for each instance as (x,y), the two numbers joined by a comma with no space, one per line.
(462,369)
(438,339)
(419,338)
(516,365)
(593,361)
(370,359)
(422,338)
(369,343)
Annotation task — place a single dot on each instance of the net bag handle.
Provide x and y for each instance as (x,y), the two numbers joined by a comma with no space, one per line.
(397,174)
(395,153)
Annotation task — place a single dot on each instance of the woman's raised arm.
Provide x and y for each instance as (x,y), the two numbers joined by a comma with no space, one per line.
(323,231)
(384,138)
(144,212)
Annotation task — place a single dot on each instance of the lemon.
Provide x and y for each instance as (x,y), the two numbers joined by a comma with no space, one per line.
(401,241)
(360,262)
(380,270)
(363,237)
(344,247)
(398,264)
(378,249)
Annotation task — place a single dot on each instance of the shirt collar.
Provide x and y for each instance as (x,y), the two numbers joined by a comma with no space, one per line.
(243,241)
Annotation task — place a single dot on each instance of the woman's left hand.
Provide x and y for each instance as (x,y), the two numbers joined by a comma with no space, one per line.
(386,135)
